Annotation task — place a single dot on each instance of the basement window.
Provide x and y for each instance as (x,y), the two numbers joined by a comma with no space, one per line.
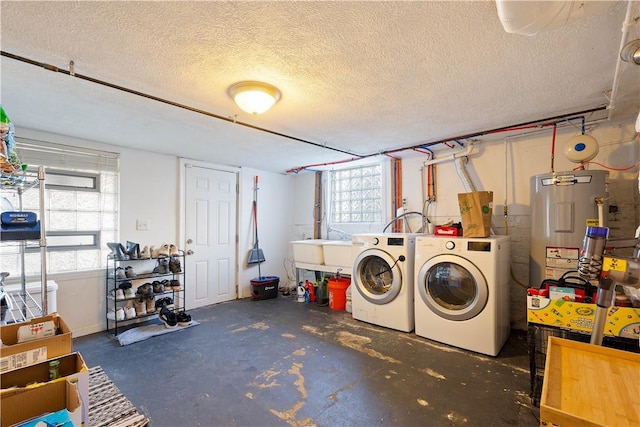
(357,195)
(81,208)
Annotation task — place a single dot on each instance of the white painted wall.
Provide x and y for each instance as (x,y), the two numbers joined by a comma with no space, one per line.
(526,156)
(149,189)
(274,222)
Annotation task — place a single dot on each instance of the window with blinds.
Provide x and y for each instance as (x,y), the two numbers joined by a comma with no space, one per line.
(81,206)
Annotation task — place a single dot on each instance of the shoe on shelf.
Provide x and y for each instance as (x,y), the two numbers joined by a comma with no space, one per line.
(145,290)
(129,312)
(153,252)
(162,267)
(173,250)
(164,302)
(184,319)
(151,304)
(175,285)
(118,294)
(145,253)
(129,293)
(174,265)
(116,315)
(164,250)
(125,285)
(158,287)
(140,305)
(120,273)
(129,272)
(133,250)
(168,317)
(118,251)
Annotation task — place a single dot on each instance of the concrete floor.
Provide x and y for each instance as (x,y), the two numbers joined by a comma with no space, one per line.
(278,362)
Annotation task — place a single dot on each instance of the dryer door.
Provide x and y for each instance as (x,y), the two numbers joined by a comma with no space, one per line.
(377,276)
(452,287)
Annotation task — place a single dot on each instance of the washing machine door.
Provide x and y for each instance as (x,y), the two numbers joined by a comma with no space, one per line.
(377,276)
(453,287)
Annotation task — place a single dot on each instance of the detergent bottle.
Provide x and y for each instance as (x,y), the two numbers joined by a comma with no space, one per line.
(301,293)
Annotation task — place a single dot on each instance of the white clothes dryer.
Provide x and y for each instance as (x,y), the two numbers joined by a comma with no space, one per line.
(462,291)
(382,283)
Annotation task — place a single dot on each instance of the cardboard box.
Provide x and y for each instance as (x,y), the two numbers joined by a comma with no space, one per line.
(14,355)
(589,385)
(34,402)
(621,321)
(72,368)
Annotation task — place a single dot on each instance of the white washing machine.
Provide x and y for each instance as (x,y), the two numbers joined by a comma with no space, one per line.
(462,291)
(382,279)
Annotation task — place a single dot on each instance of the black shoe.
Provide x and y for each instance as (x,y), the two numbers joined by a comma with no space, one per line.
(168,317)
(166,302)
(174,265)
(184,319)
(125,285)
(162,267)
(145,290)
(158,287)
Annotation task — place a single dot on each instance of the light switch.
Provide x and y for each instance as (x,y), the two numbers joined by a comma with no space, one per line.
(142,224)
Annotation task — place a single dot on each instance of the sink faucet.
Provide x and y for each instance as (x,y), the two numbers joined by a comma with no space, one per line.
(343,235)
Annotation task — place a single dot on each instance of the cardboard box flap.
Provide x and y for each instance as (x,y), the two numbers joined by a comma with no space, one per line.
(10,333)
(37,401)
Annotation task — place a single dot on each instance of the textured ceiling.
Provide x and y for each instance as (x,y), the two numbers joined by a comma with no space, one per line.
(360,77)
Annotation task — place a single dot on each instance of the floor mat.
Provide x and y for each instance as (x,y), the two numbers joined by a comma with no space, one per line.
(107,406)
(141,333)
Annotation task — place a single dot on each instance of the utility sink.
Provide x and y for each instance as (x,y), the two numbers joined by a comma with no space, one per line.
(337,253)
(308,251)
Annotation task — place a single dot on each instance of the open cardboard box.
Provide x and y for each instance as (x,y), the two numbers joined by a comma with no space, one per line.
(36,402)
(14,355)
(72,368)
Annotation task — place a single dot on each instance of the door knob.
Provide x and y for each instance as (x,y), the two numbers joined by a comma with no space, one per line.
(189,252)
(189,241)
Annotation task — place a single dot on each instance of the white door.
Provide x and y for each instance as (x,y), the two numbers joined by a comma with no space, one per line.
(210,234)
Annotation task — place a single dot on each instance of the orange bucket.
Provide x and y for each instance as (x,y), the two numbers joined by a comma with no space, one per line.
(338,292)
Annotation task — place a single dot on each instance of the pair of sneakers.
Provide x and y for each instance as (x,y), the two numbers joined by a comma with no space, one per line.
(122,294)
(168,317)
(184,319)
(164,302)
(145,290)
(118,314)
(125,273)
(144,305)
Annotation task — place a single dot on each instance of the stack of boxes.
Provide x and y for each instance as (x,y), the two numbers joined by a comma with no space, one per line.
(41,378)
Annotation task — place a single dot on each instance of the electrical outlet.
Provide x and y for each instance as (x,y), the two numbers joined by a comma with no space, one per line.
(142,224)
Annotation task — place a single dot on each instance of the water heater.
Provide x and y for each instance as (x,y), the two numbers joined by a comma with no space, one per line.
(563,204)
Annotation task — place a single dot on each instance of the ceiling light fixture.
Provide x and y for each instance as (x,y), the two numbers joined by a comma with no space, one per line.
(631,52)
(254,97)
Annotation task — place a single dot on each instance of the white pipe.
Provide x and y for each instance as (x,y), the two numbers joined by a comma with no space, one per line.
(467,182)
(623,40)
(453,156)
